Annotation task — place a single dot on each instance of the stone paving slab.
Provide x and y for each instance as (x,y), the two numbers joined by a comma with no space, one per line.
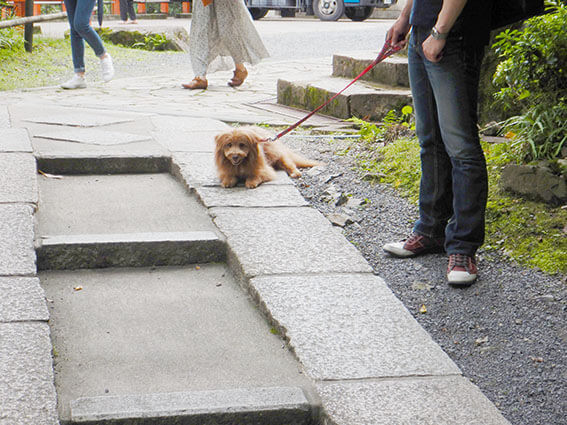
(18,178)
(70,252)
(27,392)
(450,400)
(198,169)
(262,196)
(187,124)
(91,136)
(79,119)
(188,141)
(349,326)
(281,240)
(285,406)
(22,299)
(4,117)
(17,254)
(14,140)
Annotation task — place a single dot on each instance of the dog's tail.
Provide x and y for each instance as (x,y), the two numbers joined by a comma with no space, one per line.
(302,162)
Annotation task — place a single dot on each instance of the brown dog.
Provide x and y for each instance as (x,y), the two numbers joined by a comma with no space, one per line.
(244,154)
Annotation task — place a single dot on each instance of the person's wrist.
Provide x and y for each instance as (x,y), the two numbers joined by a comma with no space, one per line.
(438,35)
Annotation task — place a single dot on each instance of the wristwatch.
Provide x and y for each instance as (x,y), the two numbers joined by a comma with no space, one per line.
(437,35)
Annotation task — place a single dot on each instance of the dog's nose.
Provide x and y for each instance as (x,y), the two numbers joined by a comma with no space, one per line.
(235,158)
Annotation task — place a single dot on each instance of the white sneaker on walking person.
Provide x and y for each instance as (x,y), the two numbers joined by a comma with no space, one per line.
(76,82)
(107,68)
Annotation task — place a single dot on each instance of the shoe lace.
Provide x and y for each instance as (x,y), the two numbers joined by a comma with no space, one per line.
(459,260)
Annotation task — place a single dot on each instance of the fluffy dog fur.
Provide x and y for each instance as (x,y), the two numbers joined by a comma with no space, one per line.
(243,154)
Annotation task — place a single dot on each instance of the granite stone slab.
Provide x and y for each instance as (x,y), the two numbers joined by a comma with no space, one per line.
(18,178)
(187,124)
(177,140)
(349,326)
(282,240)
(22,299)
(4,117)
(91,136)
(17,254)
(451,400)
(79,119)
(198,169)
(262,196)
(285,406)
(69,252)
(27,392)
(14,140)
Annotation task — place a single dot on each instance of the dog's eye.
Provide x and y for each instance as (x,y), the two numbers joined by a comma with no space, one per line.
(242,145)
(229,145)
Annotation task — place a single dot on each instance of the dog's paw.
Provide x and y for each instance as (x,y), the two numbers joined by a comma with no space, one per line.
(251,184)
(229,182)
(295,174)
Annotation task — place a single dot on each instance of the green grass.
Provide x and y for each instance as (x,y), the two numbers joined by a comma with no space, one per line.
(532,233)
(50,62)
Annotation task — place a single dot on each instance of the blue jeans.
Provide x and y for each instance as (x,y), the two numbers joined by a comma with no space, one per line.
(454,181)
(79,14)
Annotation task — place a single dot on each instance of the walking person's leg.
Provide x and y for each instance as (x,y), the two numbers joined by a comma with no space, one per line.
(132,11)
(82,25)
(123,11)
(199,44)
(77,50)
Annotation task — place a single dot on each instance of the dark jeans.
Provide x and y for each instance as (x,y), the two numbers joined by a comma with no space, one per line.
(79,15)
(454,182)
(127,9)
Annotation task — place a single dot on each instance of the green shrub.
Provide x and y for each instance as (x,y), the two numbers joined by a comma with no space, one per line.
(532,78)
(11,39)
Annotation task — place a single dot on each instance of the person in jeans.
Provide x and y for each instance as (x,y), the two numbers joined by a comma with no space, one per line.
(127,9)
(79,14)
(445,52)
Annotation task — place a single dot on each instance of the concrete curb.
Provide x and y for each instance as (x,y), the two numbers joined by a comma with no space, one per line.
(129,250)
(276,406)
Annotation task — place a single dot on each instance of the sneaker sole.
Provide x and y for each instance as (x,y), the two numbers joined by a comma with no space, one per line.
(461,279)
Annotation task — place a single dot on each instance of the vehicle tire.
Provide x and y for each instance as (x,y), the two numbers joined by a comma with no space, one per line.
(358,14)
(287,13)
(257,12)
(328,10)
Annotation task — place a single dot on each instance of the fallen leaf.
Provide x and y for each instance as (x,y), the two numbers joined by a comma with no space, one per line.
(423,309)
(537,359)
(78,288)
(197,267)
(49,176)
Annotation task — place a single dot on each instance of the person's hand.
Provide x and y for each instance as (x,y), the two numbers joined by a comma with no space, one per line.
(433,49)
(396,35)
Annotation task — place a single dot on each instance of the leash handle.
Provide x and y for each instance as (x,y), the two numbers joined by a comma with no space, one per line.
(386,51)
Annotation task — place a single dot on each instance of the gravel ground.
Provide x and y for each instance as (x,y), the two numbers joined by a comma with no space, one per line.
(507,333)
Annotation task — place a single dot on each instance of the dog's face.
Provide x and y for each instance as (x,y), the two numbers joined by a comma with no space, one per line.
(237,146)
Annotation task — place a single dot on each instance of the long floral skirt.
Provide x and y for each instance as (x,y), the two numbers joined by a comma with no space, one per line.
(221,35)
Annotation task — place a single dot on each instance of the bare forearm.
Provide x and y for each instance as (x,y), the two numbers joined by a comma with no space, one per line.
(450,11)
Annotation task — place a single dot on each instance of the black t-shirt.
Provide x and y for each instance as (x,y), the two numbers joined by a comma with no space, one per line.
(473,23)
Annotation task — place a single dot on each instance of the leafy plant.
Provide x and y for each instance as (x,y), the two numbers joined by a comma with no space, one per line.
(153,42)
(532,78)
(11,39)
(390,128)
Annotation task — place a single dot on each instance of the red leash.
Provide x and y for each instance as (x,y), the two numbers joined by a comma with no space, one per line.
(387,50)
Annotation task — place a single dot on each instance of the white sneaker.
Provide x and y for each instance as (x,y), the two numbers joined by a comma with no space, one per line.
(107,68)
(77,82)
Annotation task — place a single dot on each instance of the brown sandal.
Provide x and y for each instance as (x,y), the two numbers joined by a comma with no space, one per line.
(238,78)
(196,84)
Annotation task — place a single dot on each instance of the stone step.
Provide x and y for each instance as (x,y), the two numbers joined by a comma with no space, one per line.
(114,164)
(274,406)
(363,99)
(71,252)
(392,71)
